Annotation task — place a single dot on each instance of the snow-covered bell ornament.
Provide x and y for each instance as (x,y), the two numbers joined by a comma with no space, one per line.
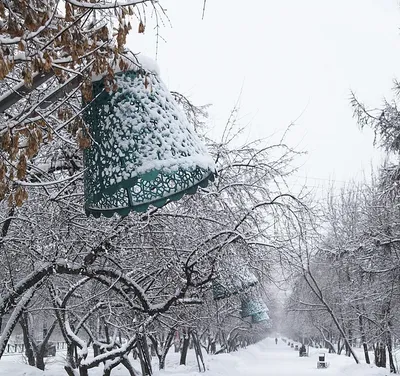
(237,281)
(259,317)
(143,149)
(252,306)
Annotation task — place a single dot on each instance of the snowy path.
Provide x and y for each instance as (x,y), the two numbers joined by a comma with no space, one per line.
(262,359)
(268,359)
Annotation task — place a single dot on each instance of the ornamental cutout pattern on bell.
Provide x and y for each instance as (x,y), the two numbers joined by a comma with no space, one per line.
(143,149)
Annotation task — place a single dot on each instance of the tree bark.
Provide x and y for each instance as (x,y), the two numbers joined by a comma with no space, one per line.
(199,354)
(380,355)
(366,354)
(69,370)
(185,347)
(70,355)
(127,364)
(212,345)
(166,346)
(83,371)
(363,337)
(390,353)
(27,343)
(40,359)
(144,356)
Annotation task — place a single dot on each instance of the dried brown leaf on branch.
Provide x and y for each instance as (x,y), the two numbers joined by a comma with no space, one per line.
(21,167)
(83,139)
(6,140)
(3,171)
(20,196)
(141,28)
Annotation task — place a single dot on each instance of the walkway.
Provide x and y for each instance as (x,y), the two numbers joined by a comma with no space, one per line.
(268,359)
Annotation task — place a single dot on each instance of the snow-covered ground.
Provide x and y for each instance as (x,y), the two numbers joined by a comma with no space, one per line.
(262,359)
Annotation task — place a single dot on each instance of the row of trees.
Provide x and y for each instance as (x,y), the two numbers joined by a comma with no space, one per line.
(111,284)
(115,284)
(346,289)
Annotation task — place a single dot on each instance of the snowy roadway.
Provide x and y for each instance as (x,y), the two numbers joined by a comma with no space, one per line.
(268,359)
(262,359)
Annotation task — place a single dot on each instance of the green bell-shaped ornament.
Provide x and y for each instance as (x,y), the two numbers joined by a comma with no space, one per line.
(220,291)
(252,306)
(143,149)
(259,317)
(237,281)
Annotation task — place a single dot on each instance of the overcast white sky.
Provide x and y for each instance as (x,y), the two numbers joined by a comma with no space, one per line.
(288,57)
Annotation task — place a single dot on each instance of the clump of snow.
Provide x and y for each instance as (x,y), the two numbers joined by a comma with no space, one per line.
(134,62)
(147,63)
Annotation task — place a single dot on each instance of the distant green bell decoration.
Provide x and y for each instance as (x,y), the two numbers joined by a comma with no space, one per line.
(220,291)
(252,306)
(259,317)
(143,150)
(223,288)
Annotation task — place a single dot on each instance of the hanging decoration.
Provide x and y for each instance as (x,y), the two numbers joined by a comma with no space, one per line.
(143,151)
(252,306)
(260,317)
(227,285)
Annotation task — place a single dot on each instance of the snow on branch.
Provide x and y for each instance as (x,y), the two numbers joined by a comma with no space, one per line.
(83,352)
(108,4)
(12,321)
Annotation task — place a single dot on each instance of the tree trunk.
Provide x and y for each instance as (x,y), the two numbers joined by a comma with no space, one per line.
(349,344)
(83,371)
(127,364)
(40,358)
(213,346)
(389,341)
(199,354)
(69,370)
(70,355)
(185,347)
(340,346)
(107,371)
(76,354)
(27,343)
(152,350)
(166,346)
(96,349)
(161,362)
(348,353)
(14,319)
(363,338)
(390,354)
(144,356)
(380,355)
(366,354)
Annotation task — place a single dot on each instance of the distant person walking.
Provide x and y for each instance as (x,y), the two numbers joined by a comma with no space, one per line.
(276,341)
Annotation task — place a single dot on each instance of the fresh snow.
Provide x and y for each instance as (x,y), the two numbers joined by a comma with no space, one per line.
(262,359)
(8,368)
(146,129)
(135,62)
